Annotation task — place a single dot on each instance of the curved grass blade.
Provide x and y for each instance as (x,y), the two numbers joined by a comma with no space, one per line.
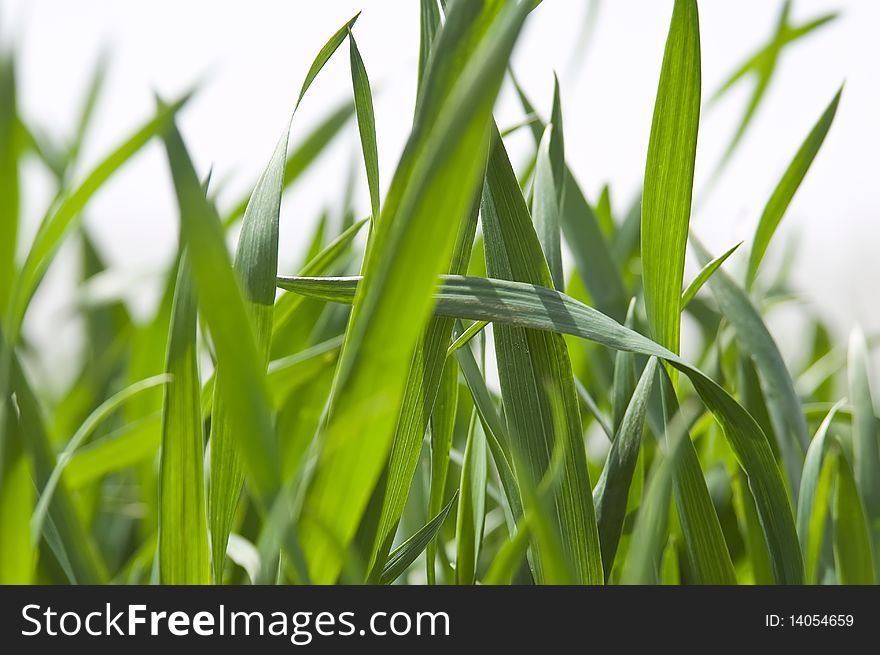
(442,433)
(623,383)
(438,175)
(324,55)
(589,247)
(303,155)
(471,516)
(781,197)
(73,544)
(707,550)
(17,556)
(649,534)
(59,222)
(762,65)
(84,432)
(540,308)
(10,149)
(527,361)
(814,496)
(363,102)
(612,488)
(545,210)
(669,175)
(405,554)
(223,307)
(704,274)
(256,264)
(429,25)
(787,418)
(866,436)
(852,540)
(184,557)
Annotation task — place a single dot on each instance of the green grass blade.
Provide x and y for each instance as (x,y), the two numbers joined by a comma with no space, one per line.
(527,360)
(88,427)
(324,55)
(545,210)
(304,154)
(363,102)
(707,550)
(649,534)
(781,197)
(17,556)
(442,433)
(814,496)
(129,445)
(704,275)
(256,264)
(623,383)
(612,489)
(438,175)
(472,505)
(184,557)
(223,307)
(9,191)
(540,308)
(783,403)
(589,247)
(60,221)
(405,554)
(852,540)
(866,437)
(429,25)
(76,547)
(669,175)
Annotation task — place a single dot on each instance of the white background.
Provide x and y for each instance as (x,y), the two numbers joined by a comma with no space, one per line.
(251,57)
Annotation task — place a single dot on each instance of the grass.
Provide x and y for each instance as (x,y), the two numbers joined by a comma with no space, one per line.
(343,424)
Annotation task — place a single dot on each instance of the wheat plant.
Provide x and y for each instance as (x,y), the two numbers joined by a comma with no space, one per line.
(343,422)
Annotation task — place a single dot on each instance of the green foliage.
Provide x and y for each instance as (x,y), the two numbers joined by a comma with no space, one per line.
(355,428)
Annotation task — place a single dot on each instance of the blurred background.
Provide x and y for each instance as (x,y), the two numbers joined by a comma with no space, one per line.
(249,59)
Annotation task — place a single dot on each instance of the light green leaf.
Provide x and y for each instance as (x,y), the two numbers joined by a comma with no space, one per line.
(866,437)
(612,488)
(540,308)
(852,540)
(17,556)
(545,210)
(184,557)
(472,505)
(437,177)
(704,274)
(781,197)
(363,102)
(405,554)
(669,175)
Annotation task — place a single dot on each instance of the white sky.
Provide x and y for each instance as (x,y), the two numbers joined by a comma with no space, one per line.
(252,57)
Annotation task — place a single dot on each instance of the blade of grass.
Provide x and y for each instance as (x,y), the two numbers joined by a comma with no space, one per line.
(471,516)
(17,556)
(865,435)
(437,176)
(540,308)
(703,276)
(223,307)
(669,175)
(303,155)
(814,496)
(184,556)
(9,191)
(405,554)
(256,264)
(442,434)
(783,403)
(363,102)
(782,195)
(707,551)
(852,539)
(526,361)
(612,488)
(545,210)
(88,428)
